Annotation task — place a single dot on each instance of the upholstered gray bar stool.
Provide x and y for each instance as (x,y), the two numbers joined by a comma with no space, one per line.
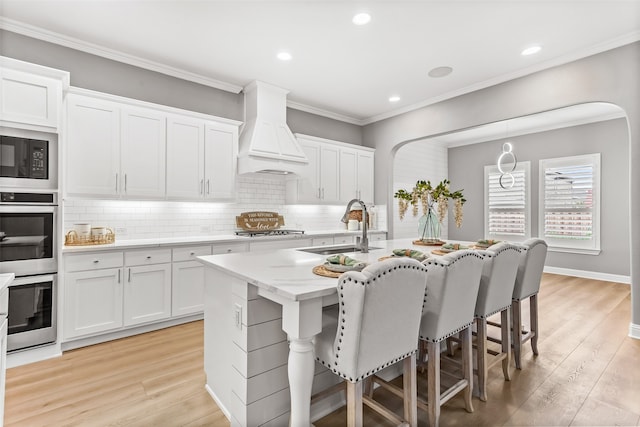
(452,288)
(494,296)
(375,325)
(527,287)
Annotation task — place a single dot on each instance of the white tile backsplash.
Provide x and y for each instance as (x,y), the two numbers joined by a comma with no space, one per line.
(152,219)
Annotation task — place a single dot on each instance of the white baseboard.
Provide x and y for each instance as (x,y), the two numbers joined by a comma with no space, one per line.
(634,331)
(32,355)
(595,275)
(224,410)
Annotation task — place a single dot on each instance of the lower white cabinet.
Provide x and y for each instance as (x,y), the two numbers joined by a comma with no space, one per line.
(187,279)
(147,294)
(92,302)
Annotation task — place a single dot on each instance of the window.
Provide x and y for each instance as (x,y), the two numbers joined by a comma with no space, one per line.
(570,203)
(507,210)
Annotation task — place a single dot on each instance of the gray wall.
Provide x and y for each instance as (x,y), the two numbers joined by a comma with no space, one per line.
(611,76)
(610,138)
(104,75)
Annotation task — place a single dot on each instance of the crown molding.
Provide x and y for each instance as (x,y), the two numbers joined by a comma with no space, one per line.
(94,49)
(325,113)
(574,56)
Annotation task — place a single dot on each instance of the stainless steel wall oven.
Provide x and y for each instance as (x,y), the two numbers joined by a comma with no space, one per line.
(28,248)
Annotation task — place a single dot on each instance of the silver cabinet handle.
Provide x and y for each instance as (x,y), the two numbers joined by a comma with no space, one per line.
(95,261)
(229,250)
(116,183)
(129,279)
(192,253)
(208,187)
(201,186)
(125,182)
(148,256)
(319,196)
(119,275)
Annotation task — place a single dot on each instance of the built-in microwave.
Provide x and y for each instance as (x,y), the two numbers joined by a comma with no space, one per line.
(28,159)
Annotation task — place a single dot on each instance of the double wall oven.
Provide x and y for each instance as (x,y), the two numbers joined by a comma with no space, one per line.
(28,235)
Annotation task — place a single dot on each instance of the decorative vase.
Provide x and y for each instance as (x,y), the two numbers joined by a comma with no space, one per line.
(429,227)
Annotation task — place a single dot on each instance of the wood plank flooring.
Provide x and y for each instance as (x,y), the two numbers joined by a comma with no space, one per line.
(587,374)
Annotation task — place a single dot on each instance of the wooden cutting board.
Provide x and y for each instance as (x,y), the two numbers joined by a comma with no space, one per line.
(258,220)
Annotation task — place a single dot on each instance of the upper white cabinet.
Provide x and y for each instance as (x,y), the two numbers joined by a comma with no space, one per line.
(356,175)
(114,150)
(201,159)
(319,182)
(336,173)
(142,153)
(31,95)
(121,148)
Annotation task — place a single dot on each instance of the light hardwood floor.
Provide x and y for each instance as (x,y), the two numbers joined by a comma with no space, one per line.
(587,374)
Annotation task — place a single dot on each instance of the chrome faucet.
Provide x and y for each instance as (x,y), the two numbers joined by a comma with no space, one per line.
(362,243)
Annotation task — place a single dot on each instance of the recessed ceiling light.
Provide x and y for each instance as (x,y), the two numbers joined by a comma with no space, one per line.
(284,56)
(440,72)
(394,98)
(361,18)
(531,50)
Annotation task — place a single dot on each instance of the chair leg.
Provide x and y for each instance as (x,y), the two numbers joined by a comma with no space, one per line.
(451,351)
(481,331)
(410,390)
(354,404)
(433,383)
(467,366)
(516,308)
(533,313)
(505,320)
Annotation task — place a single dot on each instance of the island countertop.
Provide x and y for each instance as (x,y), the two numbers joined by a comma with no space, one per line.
(288,272)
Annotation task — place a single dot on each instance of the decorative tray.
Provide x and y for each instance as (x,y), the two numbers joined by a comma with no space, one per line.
(425,243)
(72,239)
(321,271)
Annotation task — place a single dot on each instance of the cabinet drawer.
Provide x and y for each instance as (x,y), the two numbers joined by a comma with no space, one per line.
(322,241)
(190,253)
(147,256)
(339,240)
(93,261)
(230,248)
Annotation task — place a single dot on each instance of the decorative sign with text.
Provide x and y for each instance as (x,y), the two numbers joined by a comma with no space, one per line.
(252,221)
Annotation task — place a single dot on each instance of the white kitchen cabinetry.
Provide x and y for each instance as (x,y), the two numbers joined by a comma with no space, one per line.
(356,175)
(93,293)
(319,184)
(187,291)
(92,146)
(31,95)
(147,287)
(142,153)
(113,150)
(201,159)
(336,173)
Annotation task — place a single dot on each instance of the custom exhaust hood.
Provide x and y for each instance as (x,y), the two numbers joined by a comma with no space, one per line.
(266,143)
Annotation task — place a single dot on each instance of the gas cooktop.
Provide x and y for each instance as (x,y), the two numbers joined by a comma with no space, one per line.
(275,232)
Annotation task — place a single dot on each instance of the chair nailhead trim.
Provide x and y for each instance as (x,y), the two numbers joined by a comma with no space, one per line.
(449,334)
(484,316)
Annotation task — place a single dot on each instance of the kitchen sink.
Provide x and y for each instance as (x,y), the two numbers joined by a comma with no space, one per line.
(330,250)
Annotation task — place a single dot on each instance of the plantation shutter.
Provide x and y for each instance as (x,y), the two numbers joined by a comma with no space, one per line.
(568,201)
(507,207)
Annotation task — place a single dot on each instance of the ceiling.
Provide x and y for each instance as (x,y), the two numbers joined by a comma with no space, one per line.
(337,69)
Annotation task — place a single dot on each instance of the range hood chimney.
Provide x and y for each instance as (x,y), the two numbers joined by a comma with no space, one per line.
(266,143)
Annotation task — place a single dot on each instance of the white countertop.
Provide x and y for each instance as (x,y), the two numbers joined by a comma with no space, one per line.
(187,240)
(288,272)
(5,280)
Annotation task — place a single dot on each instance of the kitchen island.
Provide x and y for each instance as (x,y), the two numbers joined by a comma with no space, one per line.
(262,310)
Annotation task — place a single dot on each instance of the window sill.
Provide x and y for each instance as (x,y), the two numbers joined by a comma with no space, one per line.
(579,251)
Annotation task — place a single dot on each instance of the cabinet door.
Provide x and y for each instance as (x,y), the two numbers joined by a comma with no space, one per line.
(147,293)
(365,176)
(92,302)
(143,153)
(187,292)
(220,154)
(30,99)
(329,170)
(92,161)
(185,163)
(308,183)
(348,175)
